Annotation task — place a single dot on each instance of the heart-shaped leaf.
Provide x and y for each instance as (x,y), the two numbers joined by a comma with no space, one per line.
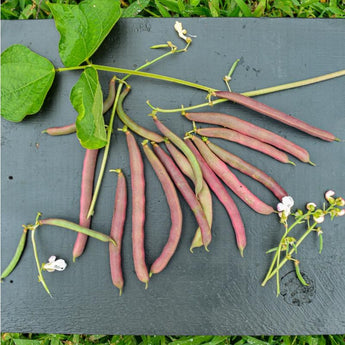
(26,78)
(83,27)
(87,99)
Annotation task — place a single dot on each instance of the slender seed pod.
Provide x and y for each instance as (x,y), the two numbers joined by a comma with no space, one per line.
(175,211)
(245,140)
(62,223)
(248,169)
(61,130)
(132,125)
(253,131)
(205,197)
(184,148)
(88,174)
(116,232)
(276,114)
(19,251)
(138,208)
(223,196)
(186,192)
(71,128)
(220,168)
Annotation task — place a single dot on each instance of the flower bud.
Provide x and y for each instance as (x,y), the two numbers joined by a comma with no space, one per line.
(329,196)
(310,206)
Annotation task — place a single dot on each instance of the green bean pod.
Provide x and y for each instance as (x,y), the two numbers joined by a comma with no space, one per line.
(62,223)
(19,251)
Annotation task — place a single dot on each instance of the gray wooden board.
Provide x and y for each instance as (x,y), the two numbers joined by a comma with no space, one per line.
(202,293)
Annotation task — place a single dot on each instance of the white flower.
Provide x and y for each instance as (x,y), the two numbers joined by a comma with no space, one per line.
(181,32)
(54,265)
(284,207)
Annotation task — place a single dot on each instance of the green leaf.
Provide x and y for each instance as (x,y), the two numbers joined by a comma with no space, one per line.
(135,8)
(244,8)
(87,99)
(83,27)
(26,78)
(26,342)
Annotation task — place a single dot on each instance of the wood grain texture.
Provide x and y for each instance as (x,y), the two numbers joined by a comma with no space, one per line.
(204,293)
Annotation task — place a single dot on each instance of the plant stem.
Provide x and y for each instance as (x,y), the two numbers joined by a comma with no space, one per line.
(105,155)
(259,92)
(140,74)
(287,230)
(282,263)
(40,276)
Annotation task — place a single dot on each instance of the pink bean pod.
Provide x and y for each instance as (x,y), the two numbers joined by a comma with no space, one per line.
(205,196)
(223,196)
(276,114)
(175,211)
(248,169)
(71,128)
(88,174)
(220,168)
(245,140)
(253,131)
(116,232)
(138,208)
(187,193)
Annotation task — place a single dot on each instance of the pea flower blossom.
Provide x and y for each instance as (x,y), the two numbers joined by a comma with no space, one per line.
(284,207)
(54,265)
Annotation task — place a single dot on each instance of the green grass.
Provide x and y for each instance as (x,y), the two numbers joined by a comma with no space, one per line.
(32,9)
(37,9)
(60,339)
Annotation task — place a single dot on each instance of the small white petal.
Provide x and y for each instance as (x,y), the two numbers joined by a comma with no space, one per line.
(180,31)
(60,265)
(281,207)
(319,219)
(310,206)
(52,259)
(288,201)
(341,213)
(329,194)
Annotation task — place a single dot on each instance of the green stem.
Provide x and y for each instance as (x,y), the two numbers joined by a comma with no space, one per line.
(140,74)
(105,155)
(283,262)
(259,92)
(40,276)
(297,221)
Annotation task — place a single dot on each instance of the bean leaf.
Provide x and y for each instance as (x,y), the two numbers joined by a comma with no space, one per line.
(83,27)
(87,99)
(26,78)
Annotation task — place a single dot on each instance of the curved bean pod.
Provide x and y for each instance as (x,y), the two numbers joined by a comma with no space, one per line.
(187,193)
(205,196)
(253,131)
(116,232)
(62,223)
(88,174)
(19,251)
(138,208)
(276,114)
(184,148)
(175,211)
(245,140)
(142,131)
(248,169)
(71,128)
(224,197)
(220,168)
